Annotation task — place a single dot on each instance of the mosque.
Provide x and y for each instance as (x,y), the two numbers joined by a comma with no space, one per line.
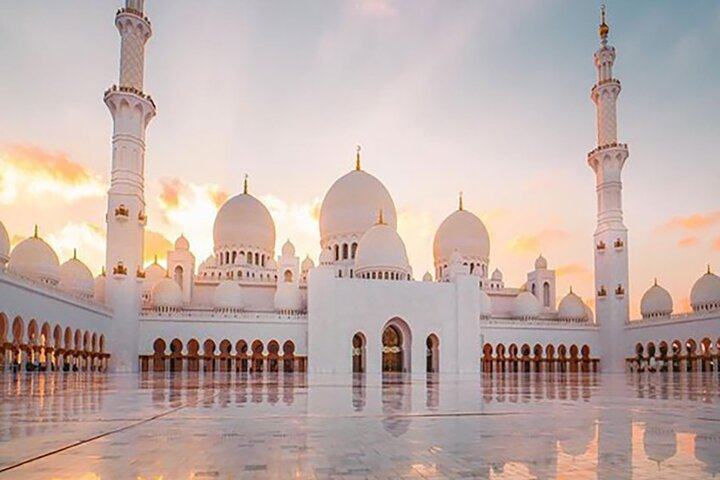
(361,308)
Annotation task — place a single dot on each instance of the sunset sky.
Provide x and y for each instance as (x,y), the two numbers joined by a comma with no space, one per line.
(487,97)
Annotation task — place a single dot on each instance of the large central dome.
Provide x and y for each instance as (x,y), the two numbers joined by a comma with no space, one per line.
(243,221)
(352,204)
(462,232)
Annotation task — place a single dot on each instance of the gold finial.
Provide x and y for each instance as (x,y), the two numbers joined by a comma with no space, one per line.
(571,289)
(381,218)
(245,184)
(155,261)
(35,232)
(604,29)
(74,253)
(357,157)
(102,272)
(460,205)
(709,272)
(655,285)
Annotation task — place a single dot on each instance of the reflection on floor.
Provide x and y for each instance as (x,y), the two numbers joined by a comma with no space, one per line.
(222,425)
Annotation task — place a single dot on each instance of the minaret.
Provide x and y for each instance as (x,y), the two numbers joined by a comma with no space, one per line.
(131,110)
(611,246)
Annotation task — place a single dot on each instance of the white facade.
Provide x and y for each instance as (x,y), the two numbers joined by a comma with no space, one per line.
(361,308)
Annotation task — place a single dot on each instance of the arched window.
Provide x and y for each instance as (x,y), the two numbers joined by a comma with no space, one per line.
(179,275)
(351,273)
(546,294)
(262,260)
(345,251)
(234,256)
(339,273)
(532,289)
(337,252)
(353,249)
(257,259)
(239,273)
(249,258)
(288,276)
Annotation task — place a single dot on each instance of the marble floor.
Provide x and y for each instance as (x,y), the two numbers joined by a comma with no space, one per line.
(227,426)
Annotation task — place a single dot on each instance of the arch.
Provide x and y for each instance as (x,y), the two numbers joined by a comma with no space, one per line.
(257,356)
(159,346)
(288,349)
(353,250)
(3,328)
(32,332)
(513,351)
(538,352)
(546,294)
(288,276)
(241,350)
(178,275)
(345,252)
(337,252)
(209,355)
(550,352)
(432,363)
(500,351)
(525,351)
(193,361)
(706,346)
(68,339)
(101,344)
(651,349)
(396,341)
(639,350)
(273,356)
(359,344)
(691,347)
(57,337)
(487,351)
(585,352)
(86,341)
(78,340)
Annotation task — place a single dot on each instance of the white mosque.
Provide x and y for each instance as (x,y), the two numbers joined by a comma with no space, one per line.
(362,308)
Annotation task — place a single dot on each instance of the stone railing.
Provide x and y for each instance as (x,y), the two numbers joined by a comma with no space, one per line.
(211,313)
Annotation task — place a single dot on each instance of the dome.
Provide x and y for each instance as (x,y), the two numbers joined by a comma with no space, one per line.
(497,275)
(656,302)
(4,245)
(464,232)
(182,243)
(243,221)
(541,263)
(99,289)
(288,249)
(287,298)
(228,295)
(271,264)
(76,278)
(427,277)
(705,294)
(572,308)
(351,206)
(35,259)
(485,304)
(589,314)
(154,273)
(381,248)
(307,264)
(167,293)
(326,257)
(526,306)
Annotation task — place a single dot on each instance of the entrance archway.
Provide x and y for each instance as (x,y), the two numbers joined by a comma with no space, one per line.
(358,353)
(432,363)
(396,341)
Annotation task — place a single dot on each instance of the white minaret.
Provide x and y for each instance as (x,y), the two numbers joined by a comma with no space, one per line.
(611,246)
(131,110)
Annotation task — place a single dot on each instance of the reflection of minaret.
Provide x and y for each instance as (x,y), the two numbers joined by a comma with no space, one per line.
(611,248)
(131,110)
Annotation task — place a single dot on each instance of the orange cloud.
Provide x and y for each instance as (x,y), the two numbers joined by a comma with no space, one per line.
(87,238)
(534,243)
(156,245)
(30,170)
(683,305)
(696,221)
(688,241)
(573,270)
(716,244)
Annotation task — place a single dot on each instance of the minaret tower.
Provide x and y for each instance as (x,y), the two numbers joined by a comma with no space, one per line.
(611,246)
(131,110)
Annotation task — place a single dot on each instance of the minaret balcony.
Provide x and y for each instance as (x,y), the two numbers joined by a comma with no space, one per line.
(120,270)
(131,90)
(606,147)
(132,11)
(122,213)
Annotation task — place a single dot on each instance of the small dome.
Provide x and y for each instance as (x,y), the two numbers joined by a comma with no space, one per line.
(485,305)
(381,248)
(463,232)
(287,298)
(705,294)
(243,221)
(541,263)
(497,275)
(572,308)
(526,306)
(167,293)
(427,277)
(76,278)
(656,302)
(182,243)
(307,264)
(4,245)
(326,257)
(35,259)
(228,295)
(153,274)
(589,314)
(288,249)
(455,258)
(351,205)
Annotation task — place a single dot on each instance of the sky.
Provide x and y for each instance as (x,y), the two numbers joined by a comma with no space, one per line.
(490,98)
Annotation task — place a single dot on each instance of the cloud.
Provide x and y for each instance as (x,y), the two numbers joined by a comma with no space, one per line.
(688,241)
(376,8)
(87,238)
(29,170)
(156,244)
(573,270)
(535,243)
(297,222)
(696,221)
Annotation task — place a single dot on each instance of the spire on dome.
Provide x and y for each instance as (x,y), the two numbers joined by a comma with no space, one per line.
(460,203)
(381,218)
(74,253)
(245,184)
(709,272)
(155,260)
(604,29)
(35,235)
(655,283)
(357,157)
(571,289)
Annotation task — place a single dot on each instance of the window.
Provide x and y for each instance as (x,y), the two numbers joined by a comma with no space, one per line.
(339,273)
(234,257)
(249,258)
(179,275)
(353,250)
(337,253)
(351,273)
(345,251)
(546,294)
(288,276)
(257,259)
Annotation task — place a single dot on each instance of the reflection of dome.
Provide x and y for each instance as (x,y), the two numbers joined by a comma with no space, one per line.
(167,293)
(182,243)
(351,206)
(656,302)
(707,450)
(659,443)
(464,232)
(381,250)
(76,278)
(526,306)
(35,259)
(485,304)
(243,221)
(4,245)
(541,263)
(705,294)
(288,249)
(307,264)
(572,308)
(228,295)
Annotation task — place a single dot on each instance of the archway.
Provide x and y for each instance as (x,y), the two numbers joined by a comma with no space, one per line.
(159,347)
(487,358)
(209,355)
(396,341)
(176,356)
(241,361)
(288,356)
(358,353)
(193,348)
(225,356)
(257,357)
(432,363)
(273,357)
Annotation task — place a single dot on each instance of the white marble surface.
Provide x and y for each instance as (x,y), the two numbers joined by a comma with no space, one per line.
(94,426)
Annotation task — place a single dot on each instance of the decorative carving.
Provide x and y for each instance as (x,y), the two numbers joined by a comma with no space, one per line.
(601,246)
(140,273)
(142,218)
(122,211)
(602,292)
(620,291)
(619,244)
(120,269)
